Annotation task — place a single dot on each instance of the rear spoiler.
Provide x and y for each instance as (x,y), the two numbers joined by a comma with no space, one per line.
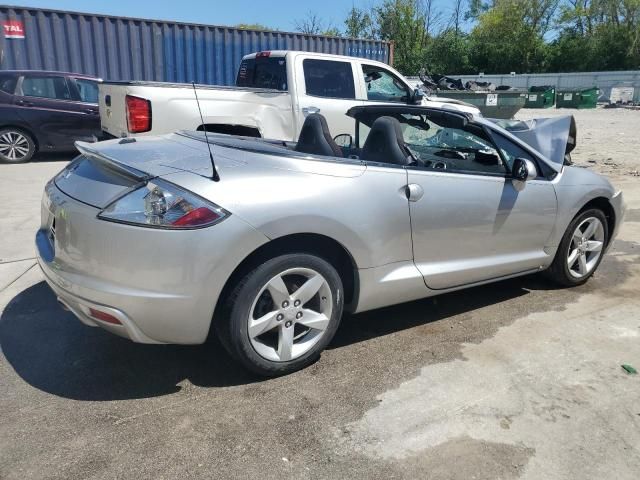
(85,149)
(554,137)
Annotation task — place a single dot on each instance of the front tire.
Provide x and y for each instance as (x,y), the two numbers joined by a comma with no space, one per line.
(581,249)
(282,315)
(16,146)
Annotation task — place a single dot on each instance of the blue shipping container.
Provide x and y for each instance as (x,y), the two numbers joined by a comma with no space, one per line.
(117,48)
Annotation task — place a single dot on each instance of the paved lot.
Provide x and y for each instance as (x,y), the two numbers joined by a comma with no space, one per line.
(512,380)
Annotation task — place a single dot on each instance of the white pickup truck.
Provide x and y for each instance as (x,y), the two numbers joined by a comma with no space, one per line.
(274,92)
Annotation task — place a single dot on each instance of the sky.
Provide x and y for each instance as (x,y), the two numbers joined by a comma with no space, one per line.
(279,14)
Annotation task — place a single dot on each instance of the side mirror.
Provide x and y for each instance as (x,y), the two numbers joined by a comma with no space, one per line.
(416,97)
(523,170)
(344,140)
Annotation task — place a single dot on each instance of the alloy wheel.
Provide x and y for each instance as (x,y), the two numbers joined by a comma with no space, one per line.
(14,145)
(585,247)
(290,314)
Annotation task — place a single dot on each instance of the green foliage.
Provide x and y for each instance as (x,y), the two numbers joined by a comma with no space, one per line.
(254,26)
(359,24)
(498,36)
(404,23)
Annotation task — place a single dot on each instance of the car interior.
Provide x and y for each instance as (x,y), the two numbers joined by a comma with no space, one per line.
(407,139)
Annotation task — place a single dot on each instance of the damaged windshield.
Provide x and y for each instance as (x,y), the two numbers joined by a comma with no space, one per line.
(456,149)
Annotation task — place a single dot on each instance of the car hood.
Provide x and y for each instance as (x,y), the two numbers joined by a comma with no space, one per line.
(555,138)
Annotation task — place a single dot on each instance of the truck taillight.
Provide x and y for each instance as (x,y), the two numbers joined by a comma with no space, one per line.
(263,54)
(138,114)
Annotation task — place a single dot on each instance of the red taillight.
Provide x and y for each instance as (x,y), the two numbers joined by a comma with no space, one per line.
(197,217)
(138,114)
(263,54)
(104,316)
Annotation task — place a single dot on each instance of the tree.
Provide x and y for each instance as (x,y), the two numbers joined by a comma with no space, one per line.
(509,36)
(407,24)
(254,26)
(311,24)
(359,24)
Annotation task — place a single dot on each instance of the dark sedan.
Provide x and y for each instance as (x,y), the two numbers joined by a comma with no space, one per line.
(44,111)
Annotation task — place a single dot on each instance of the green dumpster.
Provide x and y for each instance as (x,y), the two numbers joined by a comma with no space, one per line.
(578,98)
(499,104)
(541,97)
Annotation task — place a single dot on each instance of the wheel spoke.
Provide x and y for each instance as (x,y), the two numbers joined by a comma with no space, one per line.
(573,256)
(21,150)
(591,229)
(594,246)
(308,289)
(582,264)
(278,290)
(263,324)
(4,147)
(285,343)
(7,138)
(311,319)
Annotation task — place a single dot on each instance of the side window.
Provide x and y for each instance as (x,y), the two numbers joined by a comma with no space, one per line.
(439,145)
(88,90)
(328,78)
(8,83)
(510,150)
(46,87)
(383,86)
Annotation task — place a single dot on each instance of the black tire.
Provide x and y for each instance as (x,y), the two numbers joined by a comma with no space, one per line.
(559,270)
(21,141)
(232,325)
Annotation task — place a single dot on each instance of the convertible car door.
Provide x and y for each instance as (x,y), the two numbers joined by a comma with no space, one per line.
(475,224)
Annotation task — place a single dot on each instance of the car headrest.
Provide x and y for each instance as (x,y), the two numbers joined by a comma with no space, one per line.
(316,139)
(385,143)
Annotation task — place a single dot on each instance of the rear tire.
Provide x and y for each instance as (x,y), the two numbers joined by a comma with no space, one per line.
(581,249)
(16,146)
(281,315)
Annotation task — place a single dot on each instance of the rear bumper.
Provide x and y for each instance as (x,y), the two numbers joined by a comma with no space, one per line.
(82,307)
(162,286)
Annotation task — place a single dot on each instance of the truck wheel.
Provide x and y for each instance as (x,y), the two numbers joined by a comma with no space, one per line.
(16,146)
(281,316)
(581,249)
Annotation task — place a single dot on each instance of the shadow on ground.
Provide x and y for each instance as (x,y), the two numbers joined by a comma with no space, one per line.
(54,352)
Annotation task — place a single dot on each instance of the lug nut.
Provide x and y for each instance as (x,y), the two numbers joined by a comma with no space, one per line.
(279,317)
(288,323)
(296,303)
(299,315)
(285,304)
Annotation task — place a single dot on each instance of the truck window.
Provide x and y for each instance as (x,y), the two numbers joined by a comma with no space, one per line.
(263,72)
(328,78)
(383,86)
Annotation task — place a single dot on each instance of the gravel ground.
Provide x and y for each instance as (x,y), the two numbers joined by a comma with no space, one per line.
(511,380)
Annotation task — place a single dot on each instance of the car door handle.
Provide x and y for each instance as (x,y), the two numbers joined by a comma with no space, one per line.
(22,103)
(414,192)
(90,111)
(309,110)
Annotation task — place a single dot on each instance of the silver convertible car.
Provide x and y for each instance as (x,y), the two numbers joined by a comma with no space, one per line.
(265,244)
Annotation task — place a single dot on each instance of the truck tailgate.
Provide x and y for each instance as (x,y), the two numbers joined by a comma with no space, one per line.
(113,114)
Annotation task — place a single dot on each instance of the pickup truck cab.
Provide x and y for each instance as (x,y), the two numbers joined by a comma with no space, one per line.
(274,92)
